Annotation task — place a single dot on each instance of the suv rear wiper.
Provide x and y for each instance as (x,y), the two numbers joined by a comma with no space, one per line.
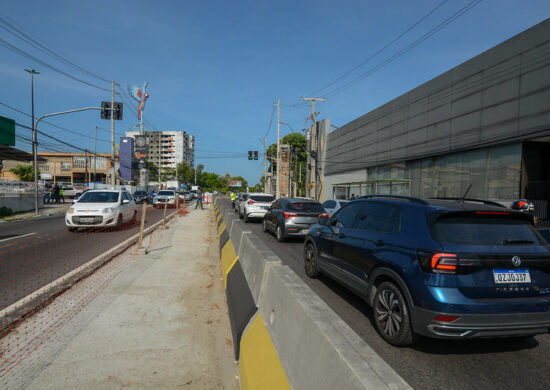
(511,242)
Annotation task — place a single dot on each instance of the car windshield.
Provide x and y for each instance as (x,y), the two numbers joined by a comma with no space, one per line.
(99,197)
(262,198)
(306,206)
(169,193)
(484,231)
(140,193)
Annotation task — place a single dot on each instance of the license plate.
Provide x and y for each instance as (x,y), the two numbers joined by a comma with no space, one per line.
(511,276)
(85,220)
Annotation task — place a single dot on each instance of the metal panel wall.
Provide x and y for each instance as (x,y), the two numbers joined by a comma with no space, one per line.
(500,96)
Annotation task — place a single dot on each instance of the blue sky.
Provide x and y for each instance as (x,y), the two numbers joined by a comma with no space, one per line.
(215,67)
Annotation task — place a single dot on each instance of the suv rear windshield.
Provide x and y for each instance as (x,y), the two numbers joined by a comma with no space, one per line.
(262,198)
(306,206)
(484,231)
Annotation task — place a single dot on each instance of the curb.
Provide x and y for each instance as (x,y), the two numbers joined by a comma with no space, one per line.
(16,311)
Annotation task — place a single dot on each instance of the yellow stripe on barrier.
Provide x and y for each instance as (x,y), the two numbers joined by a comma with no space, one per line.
(221,228)
(259,365)
(229,258)
(218,217)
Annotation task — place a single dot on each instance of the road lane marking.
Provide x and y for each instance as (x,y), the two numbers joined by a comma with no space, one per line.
(13,238)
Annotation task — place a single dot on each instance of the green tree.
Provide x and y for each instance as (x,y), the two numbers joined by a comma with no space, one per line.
(153,171)
(168,174)
(184,173)
(24,172)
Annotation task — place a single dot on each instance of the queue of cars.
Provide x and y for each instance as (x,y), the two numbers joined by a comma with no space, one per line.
(441,268)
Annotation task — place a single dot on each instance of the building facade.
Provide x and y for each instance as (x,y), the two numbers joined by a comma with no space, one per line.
(76,168)
(169,148)
(483,125)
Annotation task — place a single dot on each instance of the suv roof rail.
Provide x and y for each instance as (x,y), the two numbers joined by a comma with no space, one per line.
(403,197)
(485,202)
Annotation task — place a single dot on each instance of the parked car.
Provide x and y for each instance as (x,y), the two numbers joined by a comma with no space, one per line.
(292,217)
(101,208)
(442,268)
(141,196)
(78,195)
(165,196)
(193,194)
(241,197)
(333,205)
(187,195)
(256,206)
(69,191)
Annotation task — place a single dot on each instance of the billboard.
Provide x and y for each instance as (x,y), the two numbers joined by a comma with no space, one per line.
(140,147)
(236,183)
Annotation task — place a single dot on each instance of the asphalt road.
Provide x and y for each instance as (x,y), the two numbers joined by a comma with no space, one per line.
(36,252)
(430,364)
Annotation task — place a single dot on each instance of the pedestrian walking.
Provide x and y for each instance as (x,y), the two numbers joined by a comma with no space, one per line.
(61,195)
(199,198)
(56,193)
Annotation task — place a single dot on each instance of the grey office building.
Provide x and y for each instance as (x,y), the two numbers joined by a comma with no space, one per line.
(485,122)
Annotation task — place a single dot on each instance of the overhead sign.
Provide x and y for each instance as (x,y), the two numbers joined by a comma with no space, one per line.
(236,183)
(140,147)
(7,131)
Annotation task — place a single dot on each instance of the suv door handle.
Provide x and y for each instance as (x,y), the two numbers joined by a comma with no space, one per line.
(378,242)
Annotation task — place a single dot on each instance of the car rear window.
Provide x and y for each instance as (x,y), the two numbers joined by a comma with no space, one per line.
(99,197)
(140,193)
(262,198)
(306,206)
(484,231)
(169,193)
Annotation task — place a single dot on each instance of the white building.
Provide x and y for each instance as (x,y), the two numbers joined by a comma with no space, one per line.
(169,147)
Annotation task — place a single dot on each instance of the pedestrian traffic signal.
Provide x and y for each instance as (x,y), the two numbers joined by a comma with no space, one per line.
(117,111)
(255,155)
(105,110)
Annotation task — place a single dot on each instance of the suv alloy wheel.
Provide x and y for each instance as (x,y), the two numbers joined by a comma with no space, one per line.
(310,261)
(391,315)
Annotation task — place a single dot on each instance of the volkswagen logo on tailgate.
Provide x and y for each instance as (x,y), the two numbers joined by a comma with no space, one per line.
(516,261)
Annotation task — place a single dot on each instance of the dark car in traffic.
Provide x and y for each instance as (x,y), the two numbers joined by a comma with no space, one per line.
(140,197)
(292,217)
(442,268)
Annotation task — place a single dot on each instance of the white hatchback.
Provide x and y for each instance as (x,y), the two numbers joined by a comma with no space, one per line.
(101,208)
(256,205)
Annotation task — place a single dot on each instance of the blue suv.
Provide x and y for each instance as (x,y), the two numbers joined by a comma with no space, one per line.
(442,268)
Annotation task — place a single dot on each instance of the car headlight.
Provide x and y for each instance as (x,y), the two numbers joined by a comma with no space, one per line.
(108,210)
(71,210)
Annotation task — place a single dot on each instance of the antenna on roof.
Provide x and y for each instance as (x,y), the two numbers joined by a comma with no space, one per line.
(466,193)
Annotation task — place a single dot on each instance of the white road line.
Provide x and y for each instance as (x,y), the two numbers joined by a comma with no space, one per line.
(13,238)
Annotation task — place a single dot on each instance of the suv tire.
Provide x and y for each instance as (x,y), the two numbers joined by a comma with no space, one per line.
(310,261)
(391,315)
(280,234)
(264,226)
(245,217)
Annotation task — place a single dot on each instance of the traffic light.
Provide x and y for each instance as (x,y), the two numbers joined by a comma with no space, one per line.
(255,155)
(105,110)
(250,154)
(117,112)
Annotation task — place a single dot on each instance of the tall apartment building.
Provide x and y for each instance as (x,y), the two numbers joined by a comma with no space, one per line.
(170,147)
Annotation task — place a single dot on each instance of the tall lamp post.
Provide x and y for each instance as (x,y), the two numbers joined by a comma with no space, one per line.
(34,143)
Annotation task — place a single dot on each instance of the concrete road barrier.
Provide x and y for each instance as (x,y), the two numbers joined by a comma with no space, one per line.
(284,335)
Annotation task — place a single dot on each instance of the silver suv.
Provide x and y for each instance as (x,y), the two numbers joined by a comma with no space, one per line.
(256,206)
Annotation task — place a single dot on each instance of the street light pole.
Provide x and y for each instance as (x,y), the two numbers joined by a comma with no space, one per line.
(34,143)
(278,183)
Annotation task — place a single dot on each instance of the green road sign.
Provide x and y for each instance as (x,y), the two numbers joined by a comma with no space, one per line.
(7,131)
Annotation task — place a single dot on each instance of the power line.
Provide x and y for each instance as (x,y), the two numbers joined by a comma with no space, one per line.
(26,37)
(403,51)
(381,49)
(23,53)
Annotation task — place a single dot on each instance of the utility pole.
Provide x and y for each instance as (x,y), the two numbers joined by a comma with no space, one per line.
(113,181)
(34,143)
(95,155)
(160,145)
(278,184)
(314,148)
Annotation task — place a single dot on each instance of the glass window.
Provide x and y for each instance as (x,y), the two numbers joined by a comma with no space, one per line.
(379,217)
(262,198)
(65,166)
(99,197)
(346,216)
(308,207)
(329,204)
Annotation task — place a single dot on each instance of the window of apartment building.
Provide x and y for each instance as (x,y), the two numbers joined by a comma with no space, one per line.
(100,162)
(65,166)
(44,166)
(79,162)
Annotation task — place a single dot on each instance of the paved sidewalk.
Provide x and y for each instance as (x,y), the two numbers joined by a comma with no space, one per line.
(153,321)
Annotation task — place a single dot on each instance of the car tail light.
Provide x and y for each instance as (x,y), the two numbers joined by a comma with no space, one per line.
(251,201)
(446,318)
(444,263)
(324,215)
(493,212)
(289,215)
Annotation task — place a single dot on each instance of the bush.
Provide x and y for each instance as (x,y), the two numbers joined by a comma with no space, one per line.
(5,212)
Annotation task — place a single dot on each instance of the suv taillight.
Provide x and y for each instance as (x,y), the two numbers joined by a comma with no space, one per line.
(251,201)
(289,215)
(438,263)
(324,215)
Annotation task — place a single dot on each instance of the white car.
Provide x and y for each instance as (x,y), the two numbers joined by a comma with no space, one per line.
(333,205)
(256,205)
(242,197)
(165,196)
(69,192)
(101,208)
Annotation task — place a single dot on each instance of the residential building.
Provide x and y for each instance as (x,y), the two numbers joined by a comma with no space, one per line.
(75,167)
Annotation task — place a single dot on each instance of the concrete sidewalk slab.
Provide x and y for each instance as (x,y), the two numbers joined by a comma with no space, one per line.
(156,321)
